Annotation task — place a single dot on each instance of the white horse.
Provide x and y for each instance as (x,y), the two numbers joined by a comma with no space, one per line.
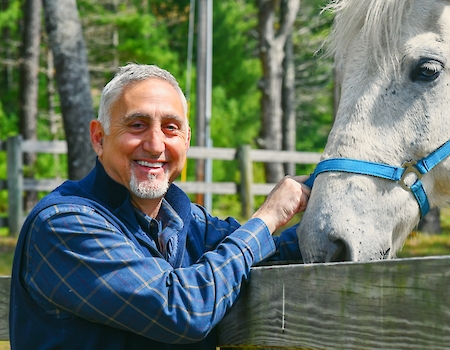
(393,61)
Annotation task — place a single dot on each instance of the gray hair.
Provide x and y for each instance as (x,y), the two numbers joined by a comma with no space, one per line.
(129,74)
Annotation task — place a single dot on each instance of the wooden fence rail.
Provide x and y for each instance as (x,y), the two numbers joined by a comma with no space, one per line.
(392,304)
(16,184)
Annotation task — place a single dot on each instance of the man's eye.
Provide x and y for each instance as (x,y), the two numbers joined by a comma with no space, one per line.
(137,125)
(172,127)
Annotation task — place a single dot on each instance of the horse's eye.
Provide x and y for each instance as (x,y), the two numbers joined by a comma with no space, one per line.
(427,70)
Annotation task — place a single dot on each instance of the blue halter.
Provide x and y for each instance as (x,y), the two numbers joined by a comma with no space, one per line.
(389,172)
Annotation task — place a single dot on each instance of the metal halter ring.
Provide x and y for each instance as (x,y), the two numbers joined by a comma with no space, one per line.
(409,167)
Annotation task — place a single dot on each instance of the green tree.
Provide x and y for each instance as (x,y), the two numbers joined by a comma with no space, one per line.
(314,80)
(236,72)
(10,18)
(117,32)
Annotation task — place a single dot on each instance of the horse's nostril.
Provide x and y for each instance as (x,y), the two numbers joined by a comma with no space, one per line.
(337,252)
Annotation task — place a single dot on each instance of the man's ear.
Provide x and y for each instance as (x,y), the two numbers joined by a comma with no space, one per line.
(97,135)
(188,138)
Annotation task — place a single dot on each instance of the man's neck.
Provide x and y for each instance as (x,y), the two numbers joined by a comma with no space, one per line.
(147,206)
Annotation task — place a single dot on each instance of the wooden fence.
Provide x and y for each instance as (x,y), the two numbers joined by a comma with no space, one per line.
(392,304)
(16,184)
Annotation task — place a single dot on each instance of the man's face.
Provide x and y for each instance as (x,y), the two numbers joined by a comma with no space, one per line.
(149,136)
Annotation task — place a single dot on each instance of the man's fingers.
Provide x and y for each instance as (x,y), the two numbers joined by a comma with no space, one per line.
(301,178)
(290,196)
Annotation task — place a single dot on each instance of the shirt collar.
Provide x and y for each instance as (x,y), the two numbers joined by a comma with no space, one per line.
(102,187)
(175,212)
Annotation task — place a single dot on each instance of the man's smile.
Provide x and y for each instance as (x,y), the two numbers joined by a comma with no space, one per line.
(150,164)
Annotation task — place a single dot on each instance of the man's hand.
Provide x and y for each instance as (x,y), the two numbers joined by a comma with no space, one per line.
(289,197)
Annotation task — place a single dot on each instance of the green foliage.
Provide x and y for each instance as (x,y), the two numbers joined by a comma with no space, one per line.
(9,17)
(153,46)
(51,166)
(8,123)
(157,32)
(235,65)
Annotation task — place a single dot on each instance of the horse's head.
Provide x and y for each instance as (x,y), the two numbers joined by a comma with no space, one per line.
(393,58)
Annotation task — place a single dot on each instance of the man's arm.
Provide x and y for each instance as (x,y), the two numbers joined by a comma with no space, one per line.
(79,264)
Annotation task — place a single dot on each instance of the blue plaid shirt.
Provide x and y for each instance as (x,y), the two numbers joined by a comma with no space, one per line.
(170,279)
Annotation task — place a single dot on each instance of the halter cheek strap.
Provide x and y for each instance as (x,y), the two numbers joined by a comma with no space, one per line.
(389,172)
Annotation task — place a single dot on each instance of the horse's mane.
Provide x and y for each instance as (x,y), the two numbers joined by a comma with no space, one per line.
(378,22)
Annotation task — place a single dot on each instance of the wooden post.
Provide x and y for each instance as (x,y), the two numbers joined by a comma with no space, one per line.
(15,184)
(246,167)
(5,286)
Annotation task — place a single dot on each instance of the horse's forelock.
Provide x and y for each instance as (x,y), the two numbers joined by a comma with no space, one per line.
(378,22)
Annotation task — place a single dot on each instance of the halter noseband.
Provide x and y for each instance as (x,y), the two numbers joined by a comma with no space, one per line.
(389,172)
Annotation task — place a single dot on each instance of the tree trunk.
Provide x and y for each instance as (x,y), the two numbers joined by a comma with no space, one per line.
(54,119)
(65,35)
(201,91)
(271,44)
(28,90)
(288,103)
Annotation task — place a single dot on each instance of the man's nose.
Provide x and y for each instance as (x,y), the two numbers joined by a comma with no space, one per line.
(154,141)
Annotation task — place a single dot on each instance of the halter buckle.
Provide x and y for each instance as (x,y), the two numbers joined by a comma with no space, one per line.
(409,167)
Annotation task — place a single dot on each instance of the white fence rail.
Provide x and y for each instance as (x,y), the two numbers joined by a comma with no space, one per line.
(16,184)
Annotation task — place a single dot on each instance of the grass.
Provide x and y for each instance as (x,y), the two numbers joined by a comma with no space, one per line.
(422,244)
(7,246)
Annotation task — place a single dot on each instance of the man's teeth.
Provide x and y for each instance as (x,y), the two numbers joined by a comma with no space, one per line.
(150,165)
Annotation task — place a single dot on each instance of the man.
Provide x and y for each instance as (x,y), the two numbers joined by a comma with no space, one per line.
(122,259)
